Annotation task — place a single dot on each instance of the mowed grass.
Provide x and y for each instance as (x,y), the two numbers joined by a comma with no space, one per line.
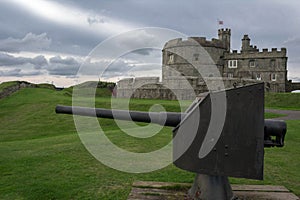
(269,115)
(286,101)
(42,157)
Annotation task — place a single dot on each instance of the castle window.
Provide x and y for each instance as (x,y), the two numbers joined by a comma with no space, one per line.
(230,75)
(273,63)
(273,77)
(196,57)
(171,58)
(251,63)
(232,64)
(258,77)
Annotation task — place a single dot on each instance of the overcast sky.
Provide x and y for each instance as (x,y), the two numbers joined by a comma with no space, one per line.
(47,41)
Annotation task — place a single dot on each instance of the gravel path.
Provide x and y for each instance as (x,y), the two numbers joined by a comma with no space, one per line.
(290,114)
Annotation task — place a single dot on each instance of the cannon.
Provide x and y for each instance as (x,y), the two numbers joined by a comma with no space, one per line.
(211,144)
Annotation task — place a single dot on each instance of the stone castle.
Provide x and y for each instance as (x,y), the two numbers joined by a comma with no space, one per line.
(179,58)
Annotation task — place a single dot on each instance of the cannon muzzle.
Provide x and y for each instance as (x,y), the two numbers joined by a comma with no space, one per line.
(275,131)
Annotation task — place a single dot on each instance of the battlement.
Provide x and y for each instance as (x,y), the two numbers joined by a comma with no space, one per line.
(195,41)
(264,50)
(264,53)
(222,30)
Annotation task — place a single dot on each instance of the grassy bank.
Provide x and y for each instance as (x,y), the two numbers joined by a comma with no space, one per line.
(7,84)
(284,101)
(42,157)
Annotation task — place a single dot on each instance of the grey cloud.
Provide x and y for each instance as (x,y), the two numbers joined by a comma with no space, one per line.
(144,52)
(56,65)
(105,69)
(13,72)
(19,73)
(39,62)
(63,66)
(31,42)
(62,70)
(123,68)
(64,61)
(9,60)
(33,66)
(95,20)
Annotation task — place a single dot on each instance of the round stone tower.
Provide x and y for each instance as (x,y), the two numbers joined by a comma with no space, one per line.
(174,66)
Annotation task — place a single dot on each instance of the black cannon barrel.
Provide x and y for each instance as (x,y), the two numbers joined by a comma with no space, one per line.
(163,118)
(274,130)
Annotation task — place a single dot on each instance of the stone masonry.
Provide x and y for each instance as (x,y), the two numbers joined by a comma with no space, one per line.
(196,65)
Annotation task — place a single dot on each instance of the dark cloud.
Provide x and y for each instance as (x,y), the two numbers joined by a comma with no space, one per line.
(63,66)
(19,73)
(35,66)
(122,67)
(39,62)
(64,61)
(104,68)
(62,70)
(9,60)
(31,42)
(144,52)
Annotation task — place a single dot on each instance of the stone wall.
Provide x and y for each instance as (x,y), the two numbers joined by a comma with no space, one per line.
(179,89)
(267,66)
(14,88)
(290,86)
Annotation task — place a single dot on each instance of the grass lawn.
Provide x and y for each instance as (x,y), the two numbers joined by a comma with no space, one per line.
(42,157)
(269,115)
(284,101)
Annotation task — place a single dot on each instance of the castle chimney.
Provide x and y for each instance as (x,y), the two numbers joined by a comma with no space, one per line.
(224,36)
(245,43)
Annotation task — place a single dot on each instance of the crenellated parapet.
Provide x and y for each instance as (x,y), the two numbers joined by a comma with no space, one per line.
(194,41)
(264,53)
(224,31)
